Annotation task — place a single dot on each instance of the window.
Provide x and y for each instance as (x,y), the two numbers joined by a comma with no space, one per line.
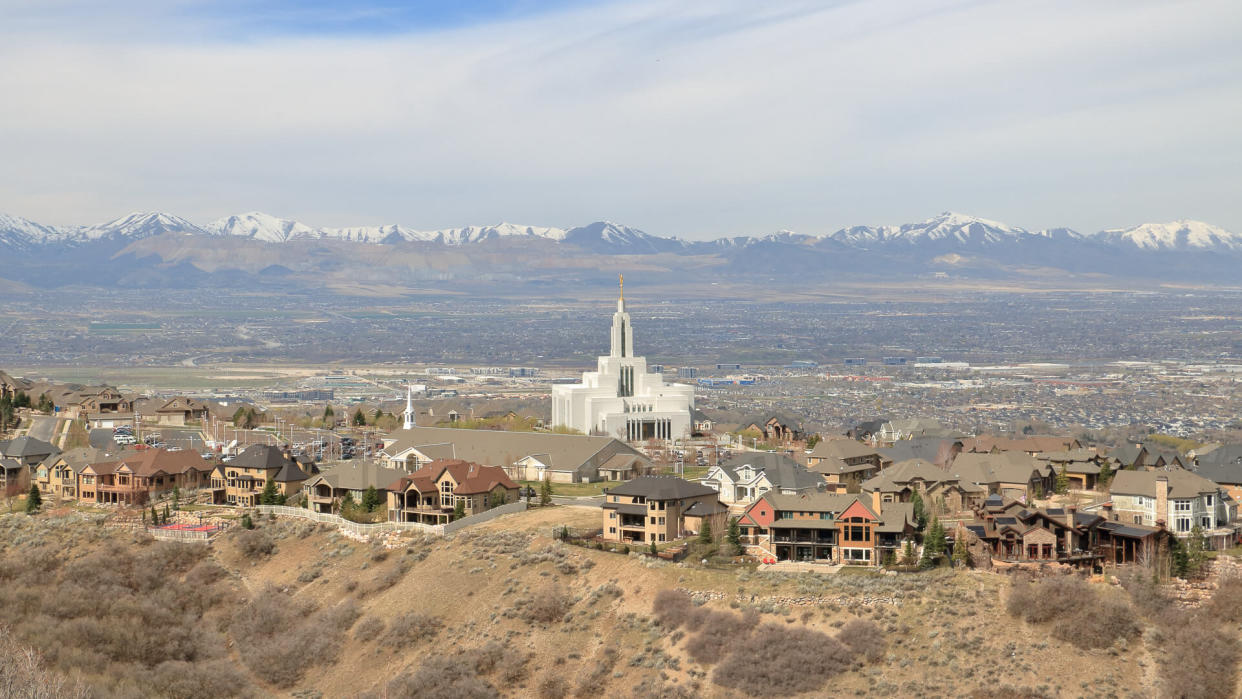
(612,530)
(661,537)
(1208,501)
(612,515)
(1183,524)
(1181,506)
(786,515)
(652,520)
(1205,522)
(661,520)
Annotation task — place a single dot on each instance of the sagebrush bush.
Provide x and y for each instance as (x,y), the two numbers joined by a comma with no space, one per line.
(1048,598)
(675,609)
(1200,658)
(440,677)
(548,605)
(254,543)
(276,634)
(1098,624)
(781,661)
(865,638)
(1226,603)
(717,631)
(410,628)
(369,629)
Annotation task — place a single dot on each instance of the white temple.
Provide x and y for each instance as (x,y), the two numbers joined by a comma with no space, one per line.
(622,399)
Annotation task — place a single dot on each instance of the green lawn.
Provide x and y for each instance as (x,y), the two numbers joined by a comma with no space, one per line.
(572,490)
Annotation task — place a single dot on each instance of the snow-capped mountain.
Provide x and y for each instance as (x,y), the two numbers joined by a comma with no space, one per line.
(260,226)
(136,225)
(1178,235)
(17,233)
(948,227)
(609,237)
(478,234)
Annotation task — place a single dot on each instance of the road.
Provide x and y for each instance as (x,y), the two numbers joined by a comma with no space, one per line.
(43,428)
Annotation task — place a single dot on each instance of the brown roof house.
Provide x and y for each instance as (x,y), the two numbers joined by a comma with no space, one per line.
(136,477)
(325,490)
(829,528)
(1176,499)
(180,411)
(657,509)
(943,492)
(431,494)
(241,480)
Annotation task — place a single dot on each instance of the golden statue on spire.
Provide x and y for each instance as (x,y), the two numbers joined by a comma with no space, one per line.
(622,278)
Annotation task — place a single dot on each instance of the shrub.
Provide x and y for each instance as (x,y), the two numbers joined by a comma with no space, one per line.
(441,677)
(592,680)
(553,686)
(1226,603)
(369,629)
(865,638)
(1097,624)
(182,680)
(795,660)
(675,609)
(547,606)
(1048,599)
(255,543)
(23,674)
(410,628)
(276,635)
(1200,658)
(716,633)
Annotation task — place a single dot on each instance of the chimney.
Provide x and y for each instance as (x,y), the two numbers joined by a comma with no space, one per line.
(1070,510)
(1162,498)
(875,501)
(1108,510)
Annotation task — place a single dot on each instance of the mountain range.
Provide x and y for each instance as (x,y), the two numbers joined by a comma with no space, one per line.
(155,249)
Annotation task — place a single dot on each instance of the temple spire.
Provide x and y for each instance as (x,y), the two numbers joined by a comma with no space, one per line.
(408,415)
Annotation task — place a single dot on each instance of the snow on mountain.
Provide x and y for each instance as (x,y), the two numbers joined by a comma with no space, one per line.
(609,237)
(947,227)
(478,234)
(264,227)
(1178,235)
(139,224)
(19,233)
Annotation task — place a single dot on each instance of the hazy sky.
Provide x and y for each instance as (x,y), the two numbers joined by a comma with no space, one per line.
(682,118)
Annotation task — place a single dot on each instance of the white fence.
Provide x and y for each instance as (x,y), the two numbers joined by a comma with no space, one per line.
(384,527)
(182,535)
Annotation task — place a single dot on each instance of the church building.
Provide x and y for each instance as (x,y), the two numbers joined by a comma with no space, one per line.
(622,399)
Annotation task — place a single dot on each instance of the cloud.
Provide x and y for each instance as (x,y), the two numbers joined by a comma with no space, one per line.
(688,118)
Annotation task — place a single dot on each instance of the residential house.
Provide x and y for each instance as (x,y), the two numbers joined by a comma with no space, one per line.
(831,528)
(57,475)
(936,450)
(180,411)
(746,476)
(1017,532)
(431,494)
(325,490)
(530,456)
(1223,466)
(1177,499)
(892,431)
(13,476)
(241,481)
(1032,445)
(849,451)
(656,509)
(774,427)
(137,477)
(942,492)
(700,423)
(1012,474)
(26,450)
(840,476)
(1081,466)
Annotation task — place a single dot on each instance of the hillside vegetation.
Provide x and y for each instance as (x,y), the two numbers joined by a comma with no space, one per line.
(297,609)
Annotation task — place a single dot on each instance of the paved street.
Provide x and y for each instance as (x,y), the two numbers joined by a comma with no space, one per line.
(43,428)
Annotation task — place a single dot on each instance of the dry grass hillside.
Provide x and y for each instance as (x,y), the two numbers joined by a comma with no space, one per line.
(297,609)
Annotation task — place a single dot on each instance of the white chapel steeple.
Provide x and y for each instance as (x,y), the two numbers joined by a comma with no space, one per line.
(408,415)
(622,333)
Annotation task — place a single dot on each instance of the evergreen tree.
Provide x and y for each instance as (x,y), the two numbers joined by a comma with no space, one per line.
(246,522)
(176,496)
(144,518)
(1106,475)
(268,497)
(1196,551)
(705,534)
(359,419)
(281,499)
(1179,560)
(327,413)
(165,520)
(735,535)
(961,552)
(370,499)
(907,554)
(377,414)
(933,545)
(459,509)
(654,551)
(545,492)
(1062,484)
(34,500)
(813,440)
(45,404)
(347,505)
(155,517)
(239,416)
(564,532)
(920,515)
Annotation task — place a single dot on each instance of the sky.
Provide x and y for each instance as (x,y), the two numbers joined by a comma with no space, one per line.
(687,118)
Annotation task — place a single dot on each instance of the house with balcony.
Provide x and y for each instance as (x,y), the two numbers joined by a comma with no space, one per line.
(1081,466)
(657,509)
(57,475)
(325,490)
(848,451)
(942,491)
(1017,532)
(431,494)
(747,476)
(829,528)
(241,480)
(137,477)
(1177,500)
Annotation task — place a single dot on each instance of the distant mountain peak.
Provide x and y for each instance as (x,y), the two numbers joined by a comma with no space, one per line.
(1183,234)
